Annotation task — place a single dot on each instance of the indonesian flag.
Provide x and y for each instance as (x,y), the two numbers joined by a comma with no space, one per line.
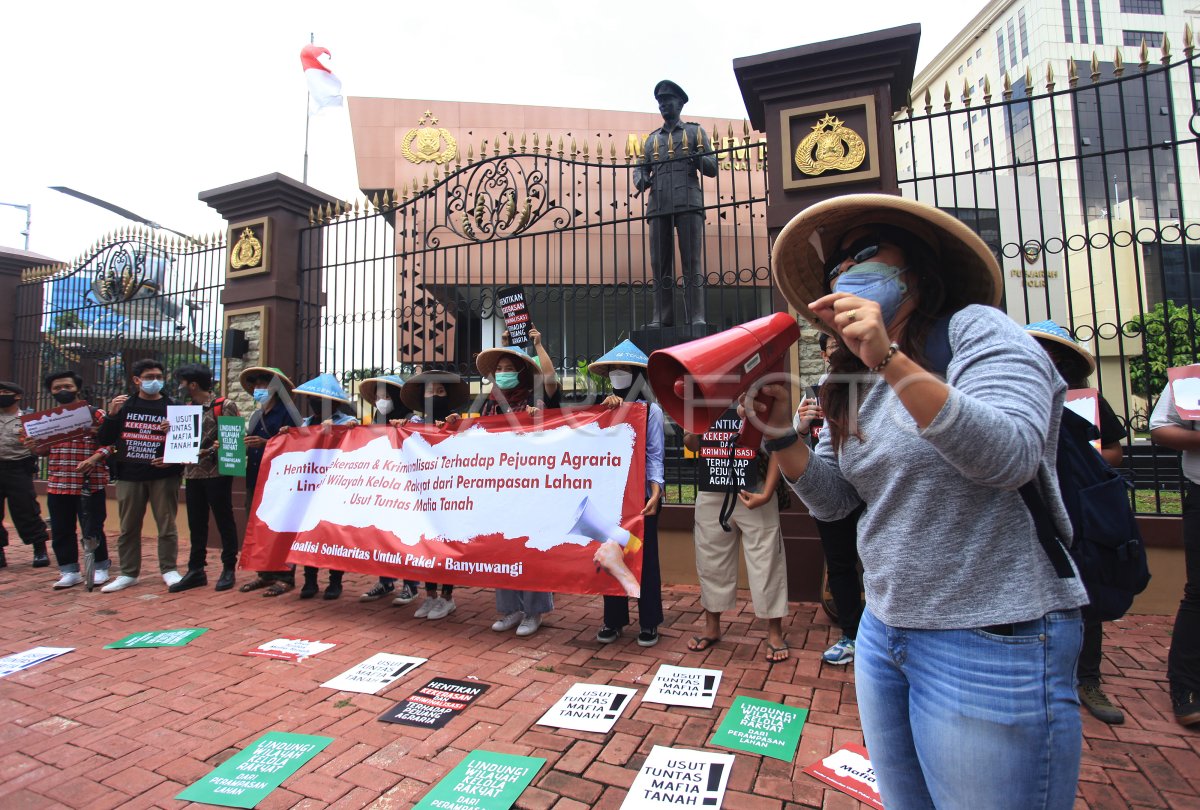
(323,87)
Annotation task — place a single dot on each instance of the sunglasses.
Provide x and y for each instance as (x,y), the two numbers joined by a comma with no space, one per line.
(860,250)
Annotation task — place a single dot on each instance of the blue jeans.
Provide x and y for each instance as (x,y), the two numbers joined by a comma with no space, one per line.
(969,718)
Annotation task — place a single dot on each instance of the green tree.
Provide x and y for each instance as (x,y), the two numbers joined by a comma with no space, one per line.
(1170,335)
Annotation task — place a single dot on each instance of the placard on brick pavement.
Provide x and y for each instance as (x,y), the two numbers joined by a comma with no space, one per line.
(131,728)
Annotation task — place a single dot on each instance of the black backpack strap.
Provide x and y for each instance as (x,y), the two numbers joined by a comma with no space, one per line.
(1047,535)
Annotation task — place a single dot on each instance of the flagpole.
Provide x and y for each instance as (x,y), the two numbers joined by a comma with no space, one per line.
(307,118)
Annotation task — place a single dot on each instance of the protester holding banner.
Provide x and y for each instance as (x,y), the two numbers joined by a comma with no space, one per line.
(273,414)
(966,651)
(625,367)
(1075,364)
(75,489)
(138,426)
(17,466)
(206,489)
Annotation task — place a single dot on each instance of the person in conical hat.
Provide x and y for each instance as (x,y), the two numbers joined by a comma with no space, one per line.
(328,400)
(625,367)
(383,394)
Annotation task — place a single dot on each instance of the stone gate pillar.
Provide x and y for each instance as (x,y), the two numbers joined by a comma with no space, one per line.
(19,311)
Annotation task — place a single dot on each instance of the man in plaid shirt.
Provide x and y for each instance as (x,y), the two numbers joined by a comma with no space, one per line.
(76,488)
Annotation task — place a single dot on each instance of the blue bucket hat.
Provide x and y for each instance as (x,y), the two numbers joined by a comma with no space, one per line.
(1051,332)
(623,354)
(368,388)
(325,386)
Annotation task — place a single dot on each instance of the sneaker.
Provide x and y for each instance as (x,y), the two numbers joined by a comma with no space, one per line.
(378,592)
(69,579)
(404,596)
(506,623)
(1093,697)
(100,577)
(171,577)
(607,635)
(529,625)
(841,653)
(119,584)
(648,638)
(422,611)
(1186,703)
(442,608)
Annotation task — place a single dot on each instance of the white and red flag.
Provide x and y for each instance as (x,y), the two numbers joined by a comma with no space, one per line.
(323,87)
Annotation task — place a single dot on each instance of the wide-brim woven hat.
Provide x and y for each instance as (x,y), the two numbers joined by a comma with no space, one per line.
(324,386)
(258,371)
(1051,332)
(968,268)
(623,354)
(370,386)
(413,392)
(488,358)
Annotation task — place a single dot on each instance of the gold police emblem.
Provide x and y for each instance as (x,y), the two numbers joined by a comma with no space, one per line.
(830,145)
(424,143)
(247,251)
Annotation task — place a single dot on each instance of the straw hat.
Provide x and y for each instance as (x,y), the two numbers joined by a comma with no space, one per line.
(624,354)
(258,371)
(1051,332)
(325,386)
(968,268)
(413,392)
(488,358)
(368,387)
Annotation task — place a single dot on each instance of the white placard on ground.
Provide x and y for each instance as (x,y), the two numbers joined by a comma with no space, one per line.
(679,777)
(24,660)
(589,707)
(291,649)
(375,673)
(183,438)
(684,686)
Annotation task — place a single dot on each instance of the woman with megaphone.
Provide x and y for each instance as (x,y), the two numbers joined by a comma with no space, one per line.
(966,650)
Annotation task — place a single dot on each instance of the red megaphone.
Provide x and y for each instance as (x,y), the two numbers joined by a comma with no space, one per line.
(696,382)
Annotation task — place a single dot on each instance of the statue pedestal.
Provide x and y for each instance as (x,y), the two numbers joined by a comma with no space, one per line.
(663,337)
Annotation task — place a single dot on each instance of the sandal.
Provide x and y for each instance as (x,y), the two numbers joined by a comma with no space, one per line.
(254,585)
(773,652)
(702,643)
(278,588)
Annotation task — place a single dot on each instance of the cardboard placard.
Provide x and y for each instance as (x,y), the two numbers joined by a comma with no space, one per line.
(483,779)
(761,727)
(684,686)
(12,664)
(1085,402)
(589,707)
(291,649)
(59,424)
(375,673)
(246,778)
(158,638)
(183,435)
(678,777)
(435,704)
(510,301)
(1185,390)
(849,770)
(231,445)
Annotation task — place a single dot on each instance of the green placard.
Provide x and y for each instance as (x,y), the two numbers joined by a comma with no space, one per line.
(245,779)
(761,727)
(231,445)
(484,780)
(158,638)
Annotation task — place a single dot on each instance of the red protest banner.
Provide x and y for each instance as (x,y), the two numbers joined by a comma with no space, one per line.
(497,502)
(849,770)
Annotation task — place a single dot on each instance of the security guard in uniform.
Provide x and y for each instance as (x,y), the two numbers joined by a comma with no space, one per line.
(676,204)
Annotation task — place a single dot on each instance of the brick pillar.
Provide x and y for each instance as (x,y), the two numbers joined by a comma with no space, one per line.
(20,315)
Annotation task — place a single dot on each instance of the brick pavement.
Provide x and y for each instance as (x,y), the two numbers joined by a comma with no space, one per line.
(131,728)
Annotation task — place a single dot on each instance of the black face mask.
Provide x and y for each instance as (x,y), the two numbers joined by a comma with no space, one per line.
(8,400)
(65,397)
(439,408)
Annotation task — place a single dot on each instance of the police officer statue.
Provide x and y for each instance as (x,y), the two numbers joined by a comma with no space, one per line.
(672,155)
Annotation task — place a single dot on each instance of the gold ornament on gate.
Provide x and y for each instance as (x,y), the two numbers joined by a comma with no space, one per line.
(424,143)
(247,252)
(831,145)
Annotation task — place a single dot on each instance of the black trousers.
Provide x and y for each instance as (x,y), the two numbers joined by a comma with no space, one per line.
(89,511)
(215,495)
(1183,662)
(1088,670)
(650,611)
(663,228)
(16,490)
(839,539)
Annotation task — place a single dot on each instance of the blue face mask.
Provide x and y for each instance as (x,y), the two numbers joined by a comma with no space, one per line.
(151,387)
(875,281)
(507,379)
(261,395)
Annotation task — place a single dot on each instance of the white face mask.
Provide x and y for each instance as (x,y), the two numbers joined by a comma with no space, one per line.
(384,406)
(620,379)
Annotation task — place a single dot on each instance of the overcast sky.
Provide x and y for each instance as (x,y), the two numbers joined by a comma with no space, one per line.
(146,104)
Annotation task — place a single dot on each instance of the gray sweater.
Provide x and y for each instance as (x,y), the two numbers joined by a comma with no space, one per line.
(946,541)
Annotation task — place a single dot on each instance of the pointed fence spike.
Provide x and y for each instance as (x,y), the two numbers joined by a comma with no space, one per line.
(1095,67)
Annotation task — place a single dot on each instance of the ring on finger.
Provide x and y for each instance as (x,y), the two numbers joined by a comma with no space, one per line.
(852,315)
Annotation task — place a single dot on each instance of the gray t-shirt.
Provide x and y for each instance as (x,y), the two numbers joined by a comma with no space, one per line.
(946,541)
(1165,414)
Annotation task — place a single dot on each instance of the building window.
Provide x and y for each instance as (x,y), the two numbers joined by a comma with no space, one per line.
(1068,32)
(1000,49)
(970,61)
(986,140)
(1012,42)
(1096,22)
(1083,35)
(979,53)
(982,82)
(965,123)
(1141,7)
(1025,31)
(1133,39)
(960,70)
